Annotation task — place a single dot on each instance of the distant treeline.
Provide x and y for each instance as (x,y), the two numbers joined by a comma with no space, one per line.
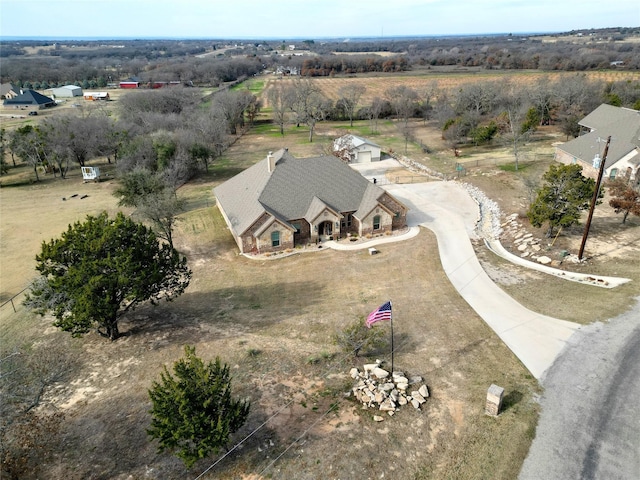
(98,63)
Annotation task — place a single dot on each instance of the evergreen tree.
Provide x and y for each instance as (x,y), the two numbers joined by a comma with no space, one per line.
(102,268)
(562,197)
(193,412)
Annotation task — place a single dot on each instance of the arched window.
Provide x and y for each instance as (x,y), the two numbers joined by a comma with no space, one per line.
(376,222)
(275,239)
(613,173)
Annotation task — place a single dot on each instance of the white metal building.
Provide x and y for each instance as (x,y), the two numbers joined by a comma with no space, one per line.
(67,91)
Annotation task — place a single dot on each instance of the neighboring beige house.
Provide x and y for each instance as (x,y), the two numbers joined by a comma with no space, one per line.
(623,157)
(282,202)
(354,149)
(8,90)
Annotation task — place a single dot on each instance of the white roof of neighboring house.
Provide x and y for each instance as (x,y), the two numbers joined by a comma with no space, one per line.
(355,141)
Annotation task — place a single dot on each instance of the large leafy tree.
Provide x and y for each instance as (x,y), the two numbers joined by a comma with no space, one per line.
(625,198)
(562,197)
(102,268)
(193,412)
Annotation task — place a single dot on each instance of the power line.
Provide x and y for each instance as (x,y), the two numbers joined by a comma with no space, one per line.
(331,408)
(329,369)
(244,439)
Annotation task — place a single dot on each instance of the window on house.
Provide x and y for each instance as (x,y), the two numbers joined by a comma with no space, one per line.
(346,221)
(613,174)
(376,222)
(275,239)
(296,225)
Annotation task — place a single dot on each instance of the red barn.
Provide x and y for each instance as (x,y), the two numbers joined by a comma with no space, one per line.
(129,84)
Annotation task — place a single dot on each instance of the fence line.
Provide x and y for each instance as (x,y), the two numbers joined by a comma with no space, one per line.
(11,301)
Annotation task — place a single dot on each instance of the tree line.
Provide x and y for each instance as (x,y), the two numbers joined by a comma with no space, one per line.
(111,61)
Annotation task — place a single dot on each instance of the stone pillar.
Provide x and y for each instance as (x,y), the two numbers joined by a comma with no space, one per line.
(494,400)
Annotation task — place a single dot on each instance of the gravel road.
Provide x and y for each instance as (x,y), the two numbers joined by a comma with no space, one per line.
(590,423)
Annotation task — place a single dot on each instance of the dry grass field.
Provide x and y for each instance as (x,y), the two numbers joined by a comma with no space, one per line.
(272,321)
(376,86)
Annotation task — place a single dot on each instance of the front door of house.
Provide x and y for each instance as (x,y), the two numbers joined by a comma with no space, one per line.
(325,229)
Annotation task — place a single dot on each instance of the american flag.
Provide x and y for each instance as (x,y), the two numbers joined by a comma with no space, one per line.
(383,312)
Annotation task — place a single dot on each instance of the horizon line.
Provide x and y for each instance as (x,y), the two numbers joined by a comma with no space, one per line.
(271,38)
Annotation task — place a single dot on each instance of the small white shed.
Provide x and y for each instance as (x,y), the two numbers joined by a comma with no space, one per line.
(90,174)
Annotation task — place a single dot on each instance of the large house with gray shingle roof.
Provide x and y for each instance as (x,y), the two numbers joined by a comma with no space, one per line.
(623,157)
(282,202)
(29,99)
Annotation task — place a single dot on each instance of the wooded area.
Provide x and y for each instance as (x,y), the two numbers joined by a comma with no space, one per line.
(210,62)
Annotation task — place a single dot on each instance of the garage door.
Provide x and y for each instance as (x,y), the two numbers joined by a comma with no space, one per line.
(364,157)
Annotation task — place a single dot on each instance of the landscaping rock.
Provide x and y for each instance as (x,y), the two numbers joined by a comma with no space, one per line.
(380,372)
(373,389)
(544,260)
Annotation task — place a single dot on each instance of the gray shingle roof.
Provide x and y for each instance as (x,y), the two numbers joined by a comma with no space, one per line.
(623,124)
(605,115)
(294,190)
(29,97)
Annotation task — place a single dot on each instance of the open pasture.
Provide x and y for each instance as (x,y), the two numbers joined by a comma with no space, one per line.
(376,86)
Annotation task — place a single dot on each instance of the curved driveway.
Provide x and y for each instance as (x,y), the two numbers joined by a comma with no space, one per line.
(590,422)
(448,210)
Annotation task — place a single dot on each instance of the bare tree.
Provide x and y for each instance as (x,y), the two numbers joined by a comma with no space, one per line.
(541,96)
(514,109)
(429,95)
(477,97)
(232,105)
(376,108)
(309,104)
(403,100)
(28,434)
(27,142)
(209,128)
(349,96)
(277,98)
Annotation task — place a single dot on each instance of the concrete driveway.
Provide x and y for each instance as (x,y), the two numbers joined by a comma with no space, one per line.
(448,210)
(590,426)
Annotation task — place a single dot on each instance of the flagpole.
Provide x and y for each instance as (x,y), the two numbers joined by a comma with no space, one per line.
(391,338)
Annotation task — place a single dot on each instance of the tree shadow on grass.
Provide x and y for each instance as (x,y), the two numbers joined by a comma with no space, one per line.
(223,312)
(108,435)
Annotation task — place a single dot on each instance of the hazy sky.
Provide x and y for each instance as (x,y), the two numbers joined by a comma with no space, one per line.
(306,18)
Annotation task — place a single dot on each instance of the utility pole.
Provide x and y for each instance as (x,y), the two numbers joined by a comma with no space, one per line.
(594,200)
